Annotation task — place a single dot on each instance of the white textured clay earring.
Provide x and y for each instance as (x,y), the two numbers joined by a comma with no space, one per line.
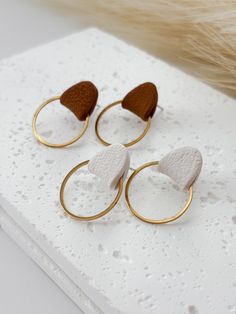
(183,165)
(111,166)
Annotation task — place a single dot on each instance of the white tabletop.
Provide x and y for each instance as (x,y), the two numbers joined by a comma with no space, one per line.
(121,263)
(24,287)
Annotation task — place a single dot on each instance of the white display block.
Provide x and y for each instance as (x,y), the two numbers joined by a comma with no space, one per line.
(119,264)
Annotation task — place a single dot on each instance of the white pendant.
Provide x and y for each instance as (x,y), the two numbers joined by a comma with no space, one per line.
(110,164)
(183,165)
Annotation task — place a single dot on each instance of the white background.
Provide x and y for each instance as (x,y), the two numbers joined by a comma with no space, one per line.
(24,287)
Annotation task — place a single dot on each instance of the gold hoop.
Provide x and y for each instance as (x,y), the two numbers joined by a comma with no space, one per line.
(127,144)
(93,217)
(41,140)
(153,221)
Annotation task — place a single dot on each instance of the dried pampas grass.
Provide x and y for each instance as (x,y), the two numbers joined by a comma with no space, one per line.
(199,36)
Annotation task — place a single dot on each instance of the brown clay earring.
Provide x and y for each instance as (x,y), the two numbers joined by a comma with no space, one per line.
(80,99)
(142,101)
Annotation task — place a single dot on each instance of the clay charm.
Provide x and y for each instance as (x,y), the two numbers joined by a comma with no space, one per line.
(81,99)
(142,100)
(110,164)
(183,165)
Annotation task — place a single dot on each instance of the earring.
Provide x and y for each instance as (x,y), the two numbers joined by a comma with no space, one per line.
(142,101)
(183,165)
(110,166)
(80,99)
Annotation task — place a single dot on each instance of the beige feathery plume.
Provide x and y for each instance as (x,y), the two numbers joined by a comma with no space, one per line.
(198,36)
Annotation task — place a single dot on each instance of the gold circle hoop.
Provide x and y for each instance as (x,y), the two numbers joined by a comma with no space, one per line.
(127,144)
(39,137)
(154,221)
(93,217)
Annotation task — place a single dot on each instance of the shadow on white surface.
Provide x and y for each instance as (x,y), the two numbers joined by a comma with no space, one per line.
(25,288)
(26,24)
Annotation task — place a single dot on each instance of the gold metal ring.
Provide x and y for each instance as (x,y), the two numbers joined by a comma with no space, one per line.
(153,221)
(127,144)
(39,137)
(93,217)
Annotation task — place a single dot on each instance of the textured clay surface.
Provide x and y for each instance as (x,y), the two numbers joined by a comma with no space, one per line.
(81,99)
(142,100)
(110,164)
(183,165)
